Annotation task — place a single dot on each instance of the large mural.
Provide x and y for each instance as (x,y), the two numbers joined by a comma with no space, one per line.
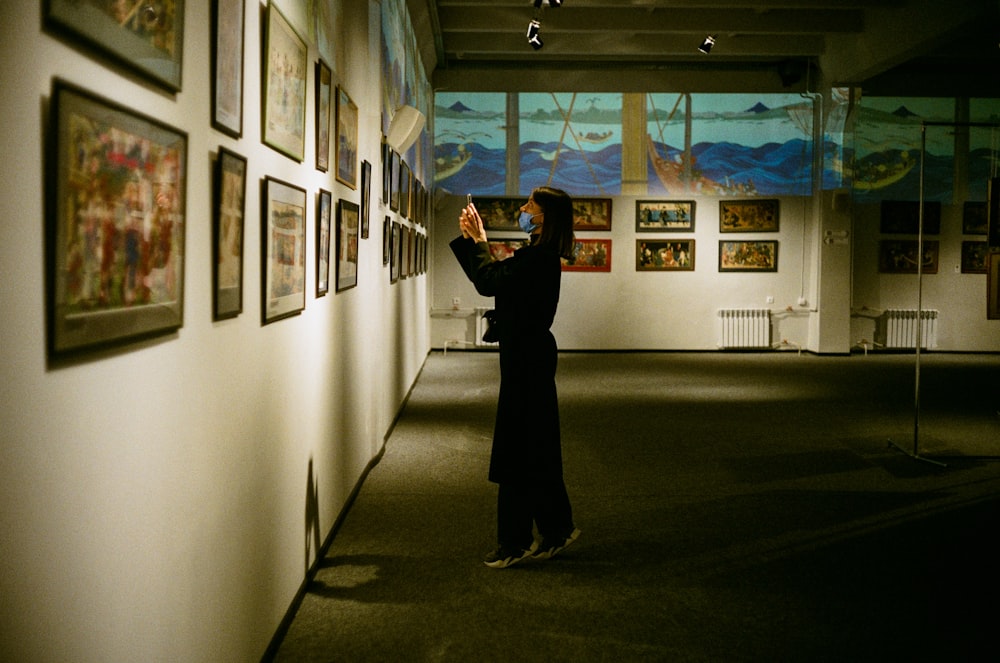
(706,144)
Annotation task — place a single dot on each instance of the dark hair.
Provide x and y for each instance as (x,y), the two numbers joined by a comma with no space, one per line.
(557,227)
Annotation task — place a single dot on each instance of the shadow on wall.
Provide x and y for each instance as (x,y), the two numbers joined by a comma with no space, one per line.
(313,538)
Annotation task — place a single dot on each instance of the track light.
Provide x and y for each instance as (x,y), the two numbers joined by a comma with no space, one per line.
(534,38)
(550,3)
(706,46)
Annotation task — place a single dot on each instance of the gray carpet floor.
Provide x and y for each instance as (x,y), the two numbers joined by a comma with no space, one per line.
(734,507)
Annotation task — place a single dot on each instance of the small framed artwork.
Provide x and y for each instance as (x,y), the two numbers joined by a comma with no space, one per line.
(974,218)
(902,217)
(347,140)
(993,286)
(664,255)
(396,251)
(227,234)
(115,204)
(366,189)
(899,256)
(591,213)
(324,219)
(501,249)
(227,66)
(664,216)
(347,244)
(589,255)
(394,162)
(749,216)
(386,240)
(284,97)
(974,254)
(748,255)
(405,180)
(993,213)
(324,104)
(283,250)
(146,37)
(386,171)
(499,213)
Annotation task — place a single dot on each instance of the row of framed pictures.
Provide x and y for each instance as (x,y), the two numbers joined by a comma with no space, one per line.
(660,255)
(651,216)
(404,250)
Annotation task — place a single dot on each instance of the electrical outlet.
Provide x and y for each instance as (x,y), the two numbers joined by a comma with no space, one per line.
(456,302)
(769,299)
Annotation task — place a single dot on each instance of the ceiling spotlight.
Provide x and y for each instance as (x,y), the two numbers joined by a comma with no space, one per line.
(706,46)
(550,3)
(534,38)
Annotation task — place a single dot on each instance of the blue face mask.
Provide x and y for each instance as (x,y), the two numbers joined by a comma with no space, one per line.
(525,222)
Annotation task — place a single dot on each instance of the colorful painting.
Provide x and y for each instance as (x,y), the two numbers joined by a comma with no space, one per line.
(664,216)
(347,244)
(501,249)
(347,140)
(499,213)
(227,234)
(284,87)
(748,216)
(748,256)
(117,223)
(591,214)
(283,251)
(589,255)
(664,255)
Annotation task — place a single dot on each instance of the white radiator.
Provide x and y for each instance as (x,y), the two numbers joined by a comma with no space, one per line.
(481,328)
(899,328)
(744,328)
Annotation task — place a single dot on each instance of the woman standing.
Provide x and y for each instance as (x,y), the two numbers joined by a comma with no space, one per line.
(526,460)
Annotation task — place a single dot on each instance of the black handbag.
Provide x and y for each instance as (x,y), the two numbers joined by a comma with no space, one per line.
(491,333)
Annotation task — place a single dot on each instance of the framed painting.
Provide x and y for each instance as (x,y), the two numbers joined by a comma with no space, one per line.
(899,256)
(394,161)
(664,216)
(146,37)
(395,252)
(347,245)
(664,255)
(405,180)
(591,213)
(749,216)
(386,239)
(115,207)
(748,255)
(974,254)
(974,218)
(285,69)
(501,249)
(324,104)
(993,213)
(230,189)
(283,250)
(499,213)
(366,189)
(993,286)
(589,255)
(227,66)
(902,217)
(347,140)
(324,218)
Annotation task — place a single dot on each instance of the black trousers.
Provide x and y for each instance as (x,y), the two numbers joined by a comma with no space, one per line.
(522,505)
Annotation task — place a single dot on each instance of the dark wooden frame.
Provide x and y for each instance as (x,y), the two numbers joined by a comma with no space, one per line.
(680,216)
(750,260)
(227,65)
(648,250)
(228,232)
(282,250)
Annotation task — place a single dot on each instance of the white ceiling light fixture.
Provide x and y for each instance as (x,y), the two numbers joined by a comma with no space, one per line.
(706,46)
(534,34)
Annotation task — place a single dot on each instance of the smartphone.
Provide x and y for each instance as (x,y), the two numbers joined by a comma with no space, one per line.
(468,199)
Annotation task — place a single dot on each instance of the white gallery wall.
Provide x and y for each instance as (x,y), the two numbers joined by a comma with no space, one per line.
(157,497)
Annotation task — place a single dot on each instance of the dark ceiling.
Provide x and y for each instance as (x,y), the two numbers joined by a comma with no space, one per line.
(893,47)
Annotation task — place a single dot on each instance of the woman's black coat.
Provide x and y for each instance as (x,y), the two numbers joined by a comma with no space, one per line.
(526,444)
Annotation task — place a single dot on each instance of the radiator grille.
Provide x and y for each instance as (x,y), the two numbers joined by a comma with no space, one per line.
(744,328)
(899,328)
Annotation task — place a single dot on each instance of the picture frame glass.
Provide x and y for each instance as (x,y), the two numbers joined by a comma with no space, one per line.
(748,256)
(227,66)
(347,244)
(589,255)
(284,97)
(664,215)
(347,140)
(750,216)
(152,48)
(116,215)
(228,233)
(283,250)
(652,255)
(324,219)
